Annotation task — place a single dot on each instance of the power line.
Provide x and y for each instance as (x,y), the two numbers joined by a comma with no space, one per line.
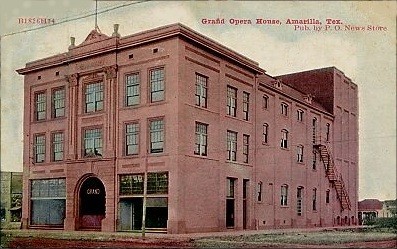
(74,19)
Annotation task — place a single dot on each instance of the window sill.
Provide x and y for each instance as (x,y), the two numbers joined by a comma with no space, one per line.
(58,118)
(301,163)
(264,143)
(286,149)
(96,113)
(238,163)
(284,206)
(130,156)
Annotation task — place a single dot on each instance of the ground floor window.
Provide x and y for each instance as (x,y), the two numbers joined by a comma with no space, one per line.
(48,202)
(131,201)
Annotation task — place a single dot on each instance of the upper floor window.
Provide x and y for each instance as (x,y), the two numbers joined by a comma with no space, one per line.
(157,84)
(231,145)
(284,139)
(314,199)
(265,101)
(58,103)
(265,133)
(92,142)
(299,154)
(314,127)
(246,144)
(132,83)
(284,109)
(131,139)
(284,195)
(57,146)
(201,139)
(39,148)
(94,97)
(201,90)
(327,132)
(314,166)
(40,106)
(300,115)
(246,102)
(231,101)
(157,136)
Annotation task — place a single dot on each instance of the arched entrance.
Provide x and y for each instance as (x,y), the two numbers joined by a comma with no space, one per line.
(91,204)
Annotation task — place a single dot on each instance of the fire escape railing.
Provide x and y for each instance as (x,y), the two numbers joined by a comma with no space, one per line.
(333,175)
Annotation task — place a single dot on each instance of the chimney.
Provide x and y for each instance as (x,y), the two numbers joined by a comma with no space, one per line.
(116,30)
(72,42)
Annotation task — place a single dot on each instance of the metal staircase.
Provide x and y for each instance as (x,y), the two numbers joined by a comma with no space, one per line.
(334,176)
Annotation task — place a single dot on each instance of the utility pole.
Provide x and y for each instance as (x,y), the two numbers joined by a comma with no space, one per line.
(144,198)
(96,14)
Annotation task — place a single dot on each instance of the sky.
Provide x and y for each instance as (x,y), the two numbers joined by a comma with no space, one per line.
(368,57)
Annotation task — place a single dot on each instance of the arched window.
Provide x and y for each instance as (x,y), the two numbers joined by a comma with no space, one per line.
(327,196)
(299,200)
(314,199)
(284,195)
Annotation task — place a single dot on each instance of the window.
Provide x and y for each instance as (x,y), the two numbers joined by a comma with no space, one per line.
(57,146)
(40,106)
(201,90)
(230,185)
(48,201)
(259,198)
(231,101)
(94,97)
(157,183)
(314,166)
(299,200)
(131,184)
(284,195)
(131,139)
(299,154)
(314,199)
(39,148)
(327,131)
(327,196)
(284,109)
(92,142)
(246,148)
(231,145)
(201,139)
(265,135)
(58,103)
(157,85)
(132,83)
(246,101)
(314,127)
(265,102)
(300,115)
(284,139)
(156,136)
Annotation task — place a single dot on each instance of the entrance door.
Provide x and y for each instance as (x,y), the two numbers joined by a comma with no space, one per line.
(92,204)
(245,193)
(131,214)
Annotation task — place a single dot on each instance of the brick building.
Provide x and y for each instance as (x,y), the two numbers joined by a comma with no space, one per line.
(224,145)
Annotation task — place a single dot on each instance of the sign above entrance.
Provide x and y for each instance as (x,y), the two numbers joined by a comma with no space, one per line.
(93,191)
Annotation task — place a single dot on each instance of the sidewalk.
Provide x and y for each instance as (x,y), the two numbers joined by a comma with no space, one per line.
(128,236)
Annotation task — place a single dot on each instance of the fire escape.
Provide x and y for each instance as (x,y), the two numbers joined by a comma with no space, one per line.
(333,175)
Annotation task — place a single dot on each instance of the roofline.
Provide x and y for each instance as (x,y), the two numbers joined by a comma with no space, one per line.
(297,100)
(147,37)
(317,69)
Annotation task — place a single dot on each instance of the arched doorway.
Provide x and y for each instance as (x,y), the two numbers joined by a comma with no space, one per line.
(91,204)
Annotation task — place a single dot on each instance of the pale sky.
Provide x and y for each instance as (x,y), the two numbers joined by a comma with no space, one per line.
(367,57)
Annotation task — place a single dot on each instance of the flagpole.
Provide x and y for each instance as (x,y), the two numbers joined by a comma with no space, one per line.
(144,198)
